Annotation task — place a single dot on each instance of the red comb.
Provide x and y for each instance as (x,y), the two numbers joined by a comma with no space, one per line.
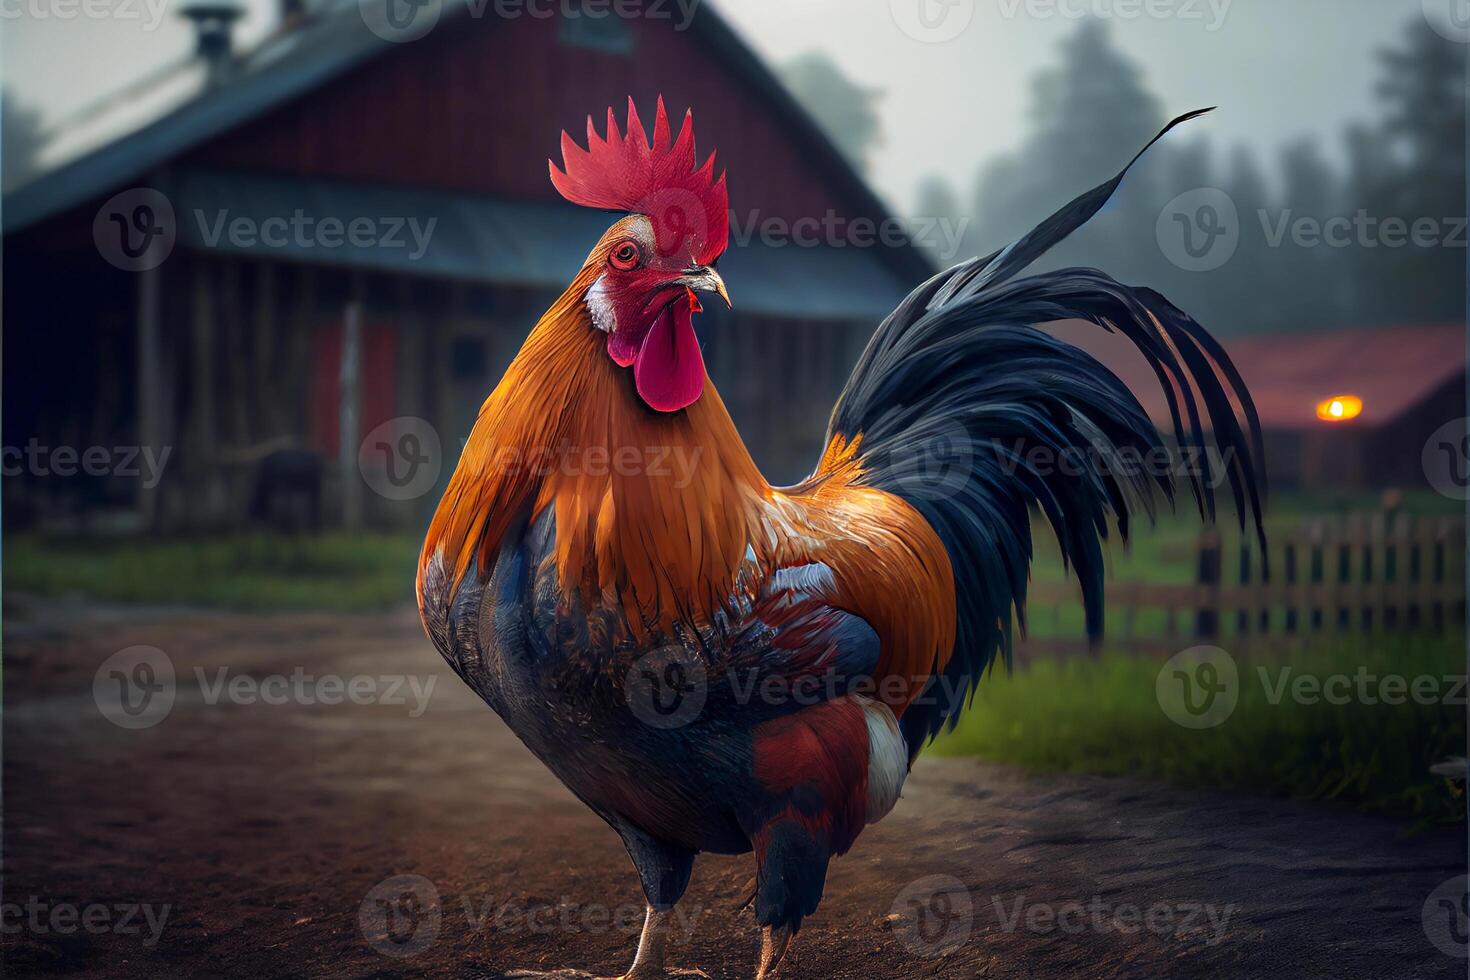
(688,205)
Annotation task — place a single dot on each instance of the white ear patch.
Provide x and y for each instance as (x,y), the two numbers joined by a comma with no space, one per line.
(599,304)
(888,760)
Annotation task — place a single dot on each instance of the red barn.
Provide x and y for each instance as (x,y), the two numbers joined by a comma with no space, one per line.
(205,260)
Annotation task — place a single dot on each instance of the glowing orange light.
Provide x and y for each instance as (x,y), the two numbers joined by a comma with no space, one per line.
(1340,408)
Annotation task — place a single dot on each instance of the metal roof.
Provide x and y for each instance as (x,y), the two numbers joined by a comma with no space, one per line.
(523,243)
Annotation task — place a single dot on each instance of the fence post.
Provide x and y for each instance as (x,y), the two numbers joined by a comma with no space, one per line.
(1207,576)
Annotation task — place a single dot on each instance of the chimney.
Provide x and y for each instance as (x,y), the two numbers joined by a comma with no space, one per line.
(214,24)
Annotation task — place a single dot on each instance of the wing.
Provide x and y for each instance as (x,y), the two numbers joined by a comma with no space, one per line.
(858,597)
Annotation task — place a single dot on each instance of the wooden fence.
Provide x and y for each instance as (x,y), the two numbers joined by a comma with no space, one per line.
(1361,573)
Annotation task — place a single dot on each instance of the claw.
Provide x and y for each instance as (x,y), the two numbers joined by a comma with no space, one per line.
(774,941)
(749,892)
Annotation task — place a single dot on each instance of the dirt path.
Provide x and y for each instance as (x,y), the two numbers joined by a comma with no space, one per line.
(353,840)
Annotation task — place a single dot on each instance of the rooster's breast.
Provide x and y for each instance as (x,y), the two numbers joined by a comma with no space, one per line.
(571,684)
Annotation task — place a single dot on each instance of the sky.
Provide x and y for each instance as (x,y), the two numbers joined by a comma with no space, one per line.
(953,74)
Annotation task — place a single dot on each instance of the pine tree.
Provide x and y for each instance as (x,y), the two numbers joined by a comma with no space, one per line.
(844,109)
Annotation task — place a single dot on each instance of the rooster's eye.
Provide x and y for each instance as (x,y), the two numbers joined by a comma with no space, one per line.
(625,255)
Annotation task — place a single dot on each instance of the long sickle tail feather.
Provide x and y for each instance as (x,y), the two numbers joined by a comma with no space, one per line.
(962,353)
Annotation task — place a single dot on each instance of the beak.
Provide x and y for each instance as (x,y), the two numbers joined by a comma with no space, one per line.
(703,278)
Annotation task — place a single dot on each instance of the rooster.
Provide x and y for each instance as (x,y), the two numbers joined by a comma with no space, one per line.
(714,664)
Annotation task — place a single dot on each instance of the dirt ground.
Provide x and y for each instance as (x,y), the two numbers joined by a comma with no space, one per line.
(236,836)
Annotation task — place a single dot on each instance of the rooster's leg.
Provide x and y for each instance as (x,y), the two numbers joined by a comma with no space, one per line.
(648,964)
(774,940)
(664,871)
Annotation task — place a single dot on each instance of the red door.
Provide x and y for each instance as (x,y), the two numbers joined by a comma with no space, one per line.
(377,385)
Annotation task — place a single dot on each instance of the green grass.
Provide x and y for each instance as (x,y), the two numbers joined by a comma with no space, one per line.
(336,571)
(1103,716)
(1085,715)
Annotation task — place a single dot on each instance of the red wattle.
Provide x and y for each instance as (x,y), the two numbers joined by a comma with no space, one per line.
(622,349)
(669,369)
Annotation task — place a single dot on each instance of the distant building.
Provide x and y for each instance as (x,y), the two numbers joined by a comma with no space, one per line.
(236,345)
(1410,380)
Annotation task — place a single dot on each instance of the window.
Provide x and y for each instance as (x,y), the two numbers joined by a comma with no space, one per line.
(600,30)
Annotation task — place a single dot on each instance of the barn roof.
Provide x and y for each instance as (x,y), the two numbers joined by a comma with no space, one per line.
(497,240)
(154,121)
(1392,368)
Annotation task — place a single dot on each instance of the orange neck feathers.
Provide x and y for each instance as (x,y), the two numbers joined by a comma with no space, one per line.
(655,509)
